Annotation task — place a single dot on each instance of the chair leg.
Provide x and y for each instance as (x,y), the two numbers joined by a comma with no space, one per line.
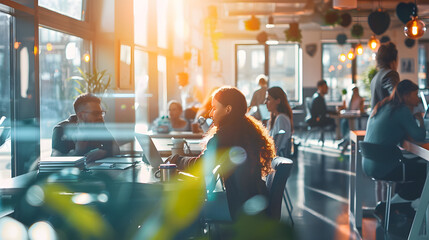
(387,214)
(286,193)
(288,208)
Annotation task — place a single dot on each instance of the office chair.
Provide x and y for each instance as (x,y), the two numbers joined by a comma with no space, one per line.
(276,183)
(312,126)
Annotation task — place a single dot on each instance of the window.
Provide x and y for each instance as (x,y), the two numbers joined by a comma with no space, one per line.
(60,56)
(72,8)
(283,68)
(162,17)
(141,76)
(250,63)
(423,64)
(338,74)
(140,22)
(162,84)
(5,54)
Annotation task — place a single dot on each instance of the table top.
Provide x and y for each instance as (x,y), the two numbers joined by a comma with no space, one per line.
(420,149)
(176,134)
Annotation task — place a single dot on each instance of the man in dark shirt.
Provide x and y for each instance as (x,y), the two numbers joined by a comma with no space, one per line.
(319,111)
(84,133)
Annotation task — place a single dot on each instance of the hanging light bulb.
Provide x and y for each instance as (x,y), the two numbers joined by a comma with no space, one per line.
(342,57)
(270,23)
(351,54)
(359,49)
(373,43)
(415,28)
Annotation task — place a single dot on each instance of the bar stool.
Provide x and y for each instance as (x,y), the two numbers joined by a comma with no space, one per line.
(375,160)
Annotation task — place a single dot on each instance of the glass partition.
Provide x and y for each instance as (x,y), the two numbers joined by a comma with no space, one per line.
(5,98)
(60,56)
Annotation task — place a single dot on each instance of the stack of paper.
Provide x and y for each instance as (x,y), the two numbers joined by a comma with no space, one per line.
(54,164)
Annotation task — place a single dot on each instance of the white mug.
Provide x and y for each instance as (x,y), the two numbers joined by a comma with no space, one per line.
(178,146)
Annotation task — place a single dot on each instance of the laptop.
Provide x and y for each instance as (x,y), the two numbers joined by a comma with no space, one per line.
(150,153)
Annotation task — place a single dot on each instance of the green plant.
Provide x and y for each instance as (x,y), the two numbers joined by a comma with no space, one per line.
(94,82)
(367,76)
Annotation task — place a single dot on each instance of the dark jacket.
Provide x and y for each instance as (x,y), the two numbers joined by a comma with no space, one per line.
(64,137)
(383,84)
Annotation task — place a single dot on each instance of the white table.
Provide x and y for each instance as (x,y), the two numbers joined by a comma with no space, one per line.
(421,150)
(356,182)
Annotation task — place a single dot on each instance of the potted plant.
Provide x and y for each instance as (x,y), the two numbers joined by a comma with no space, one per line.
(94,82)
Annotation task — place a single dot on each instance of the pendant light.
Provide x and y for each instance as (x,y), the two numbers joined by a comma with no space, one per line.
(373,43)
(415,28)
(342,57)
(351,54)
(359,49)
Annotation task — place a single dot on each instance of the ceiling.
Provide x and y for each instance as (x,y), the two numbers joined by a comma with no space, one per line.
(308,13)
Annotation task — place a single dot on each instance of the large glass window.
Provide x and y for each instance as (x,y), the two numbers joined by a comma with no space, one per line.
(71,8)
(5,103)
(284,69)
(60,56)
(140,22)
(162,84)
(162,17)
(141,76)
(423,64)
(338,73)
(250,63)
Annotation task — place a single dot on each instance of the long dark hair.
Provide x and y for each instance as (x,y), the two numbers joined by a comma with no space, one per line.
(250,131)
(283,106)
(396,99)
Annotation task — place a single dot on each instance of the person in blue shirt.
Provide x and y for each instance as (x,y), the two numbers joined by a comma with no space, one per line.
(280,124)
(391,122)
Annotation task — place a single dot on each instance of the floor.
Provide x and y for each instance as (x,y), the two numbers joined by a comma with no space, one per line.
(318,187)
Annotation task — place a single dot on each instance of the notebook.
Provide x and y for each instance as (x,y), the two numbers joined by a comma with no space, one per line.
(150,153)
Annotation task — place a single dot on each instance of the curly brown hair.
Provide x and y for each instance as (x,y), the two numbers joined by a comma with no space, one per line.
(237,129)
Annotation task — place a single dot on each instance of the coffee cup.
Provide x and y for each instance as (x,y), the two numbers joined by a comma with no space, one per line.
(166,172)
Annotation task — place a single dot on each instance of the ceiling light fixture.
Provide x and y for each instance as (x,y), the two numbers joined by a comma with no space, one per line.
(351,54)
(270,23)
(415,28)
(373,43)
(359,49)
(342,57)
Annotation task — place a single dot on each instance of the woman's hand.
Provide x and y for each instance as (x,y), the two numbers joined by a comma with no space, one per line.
(173,158)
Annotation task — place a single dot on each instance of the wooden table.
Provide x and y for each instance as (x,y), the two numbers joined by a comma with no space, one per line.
(356,185)
(351,115)
(421,150)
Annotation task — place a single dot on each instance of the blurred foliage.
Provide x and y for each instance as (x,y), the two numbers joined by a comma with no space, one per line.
(367,76)
(293,34)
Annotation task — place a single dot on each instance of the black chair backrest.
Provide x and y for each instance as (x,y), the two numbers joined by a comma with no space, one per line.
(276,183)
(378,160)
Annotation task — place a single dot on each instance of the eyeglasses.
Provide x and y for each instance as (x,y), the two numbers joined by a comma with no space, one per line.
(96,113)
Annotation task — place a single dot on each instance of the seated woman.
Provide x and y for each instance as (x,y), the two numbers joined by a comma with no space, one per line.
(280,124)
(240,146)
(390,123)
(174,121)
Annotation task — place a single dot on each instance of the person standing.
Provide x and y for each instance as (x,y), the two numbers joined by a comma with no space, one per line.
(387,76)
(258,97)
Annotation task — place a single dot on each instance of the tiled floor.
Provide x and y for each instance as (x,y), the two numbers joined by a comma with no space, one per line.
(318,187)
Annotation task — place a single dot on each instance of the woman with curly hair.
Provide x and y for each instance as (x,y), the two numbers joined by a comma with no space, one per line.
(240,145)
